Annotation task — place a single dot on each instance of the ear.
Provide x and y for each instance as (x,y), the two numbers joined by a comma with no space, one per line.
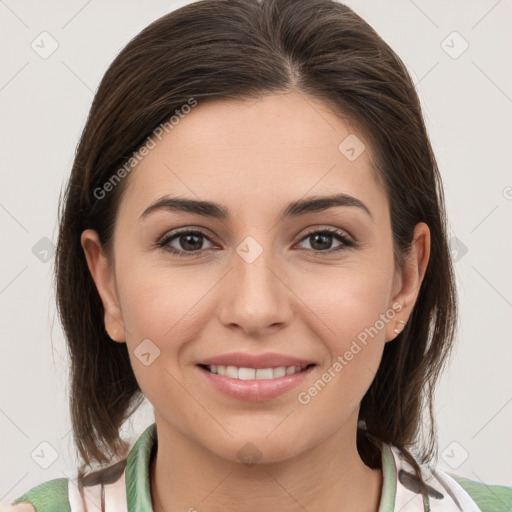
(408,280)
(102,272)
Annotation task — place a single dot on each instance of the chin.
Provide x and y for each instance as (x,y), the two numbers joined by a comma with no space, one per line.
(250,450)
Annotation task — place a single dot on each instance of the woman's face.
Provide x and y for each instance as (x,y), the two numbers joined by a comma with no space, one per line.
(258,279)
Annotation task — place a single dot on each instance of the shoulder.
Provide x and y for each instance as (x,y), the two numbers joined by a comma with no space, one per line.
(48,496)
(92,490)
(20,507)
(448,490)
(77,494)
(488,497)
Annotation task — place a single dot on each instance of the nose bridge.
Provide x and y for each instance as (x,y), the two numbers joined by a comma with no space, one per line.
(256,298)
(256,283)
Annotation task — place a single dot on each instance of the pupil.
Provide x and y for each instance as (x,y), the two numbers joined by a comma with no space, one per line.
(321,241)
(323,237)
(191,245)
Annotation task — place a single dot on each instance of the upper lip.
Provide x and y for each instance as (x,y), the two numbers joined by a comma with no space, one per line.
(244,360)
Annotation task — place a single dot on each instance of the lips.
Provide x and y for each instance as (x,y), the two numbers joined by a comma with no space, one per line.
(257,389)
(246,360)
(254,390)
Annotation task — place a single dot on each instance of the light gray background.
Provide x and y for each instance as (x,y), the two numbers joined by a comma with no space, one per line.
(44,103)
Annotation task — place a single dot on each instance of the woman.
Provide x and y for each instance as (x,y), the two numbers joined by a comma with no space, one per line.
(226,143)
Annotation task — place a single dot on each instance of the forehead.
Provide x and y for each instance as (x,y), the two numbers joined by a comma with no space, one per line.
(274,149)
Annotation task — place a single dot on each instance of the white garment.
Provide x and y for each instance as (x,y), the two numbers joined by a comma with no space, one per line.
(455,498)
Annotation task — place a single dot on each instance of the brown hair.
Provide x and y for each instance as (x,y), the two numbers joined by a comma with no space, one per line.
(240,49)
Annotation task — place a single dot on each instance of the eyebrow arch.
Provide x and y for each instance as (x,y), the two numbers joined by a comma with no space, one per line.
(218,211)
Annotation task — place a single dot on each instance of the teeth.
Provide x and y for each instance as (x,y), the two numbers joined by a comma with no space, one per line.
(253,373)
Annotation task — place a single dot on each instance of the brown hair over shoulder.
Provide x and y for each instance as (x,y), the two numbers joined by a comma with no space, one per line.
(242,49)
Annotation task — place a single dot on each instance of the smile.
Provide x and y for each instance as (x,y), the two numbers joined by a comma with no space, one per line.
(253,384)
(235,372)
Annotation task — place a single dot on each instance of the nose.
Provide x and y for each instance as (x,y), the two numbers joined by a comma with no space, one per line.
(255,295)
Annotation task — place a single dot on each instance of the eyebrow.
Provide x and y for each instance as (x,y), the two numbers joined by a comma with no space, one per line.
(218,211)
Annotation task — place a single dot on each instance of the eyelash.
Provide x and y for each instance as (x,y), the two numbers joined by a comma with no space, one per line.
(346,242)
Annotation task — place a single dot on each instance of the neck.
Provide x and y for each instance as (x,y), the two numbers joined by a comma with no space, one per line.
(184,476)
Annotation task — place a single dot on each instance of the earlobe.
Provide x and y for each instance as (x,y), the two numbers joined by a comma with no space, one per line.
(410,278)
(103,276)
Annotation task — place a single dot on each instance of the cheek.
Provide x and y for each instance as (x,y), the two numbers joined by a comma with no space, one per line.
(350,318)
(159,313)
(348,310)
(344,301)
(169,307)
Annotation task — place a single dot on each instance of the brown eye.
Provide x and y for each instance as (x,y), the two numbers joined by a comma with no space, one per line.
(184,242)
(191,242)
(322,240)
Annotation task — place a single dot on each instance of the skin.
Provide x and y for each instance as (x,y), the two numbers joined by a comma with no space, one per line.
(255,157)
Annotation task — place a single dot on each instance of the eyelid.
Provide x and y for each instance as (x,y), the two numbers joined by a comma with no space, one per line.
(174,233)
(347,241)
(331,229)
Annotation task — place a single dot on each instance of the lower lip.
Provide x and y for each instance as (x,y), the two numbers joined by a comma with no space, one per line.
(255,390)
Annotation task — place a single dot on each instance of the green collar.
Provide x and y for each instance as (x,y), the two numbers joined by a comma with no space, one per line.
(138,495)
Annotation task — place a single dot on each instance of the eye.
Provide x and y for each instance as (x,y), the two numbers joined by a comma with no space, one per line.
(322,240)
(189,242)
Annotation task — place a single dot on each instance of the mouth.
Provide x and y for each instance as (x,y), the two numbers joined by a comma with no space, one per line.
(253,384)
(246,373)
